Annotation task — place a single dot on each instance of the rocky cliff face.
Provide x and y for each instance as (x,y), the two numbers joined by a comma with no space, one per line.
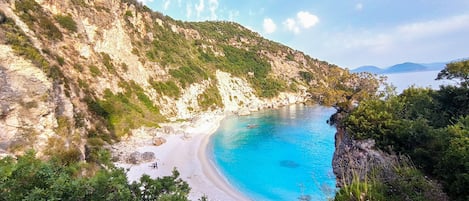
(76,69)
(356,158)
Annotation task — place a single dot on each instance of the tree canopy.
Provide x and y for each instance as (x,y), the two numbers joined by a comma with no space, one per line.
(430,126)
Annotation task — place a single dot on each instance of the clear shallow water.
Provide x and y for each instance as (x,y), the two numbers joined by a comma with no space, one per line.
(287,155)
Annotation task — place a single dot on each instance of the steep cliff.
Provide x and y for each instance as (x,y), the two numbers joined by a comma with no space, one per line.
(78,72)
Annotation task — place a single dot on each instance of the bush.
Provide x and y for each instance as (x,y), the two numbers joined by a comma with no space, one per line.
(187,75)
(29,178)
(107,61)
(38,20)
(67,22)
(94,70)
(210,99)
(168,88)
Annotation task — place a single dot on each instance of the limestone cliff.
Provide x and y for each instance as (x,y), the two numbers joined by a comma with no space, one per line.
(76,70)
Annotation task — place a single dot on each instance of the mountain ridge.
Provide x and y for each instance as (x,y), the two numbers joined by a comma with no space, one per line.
(401,68)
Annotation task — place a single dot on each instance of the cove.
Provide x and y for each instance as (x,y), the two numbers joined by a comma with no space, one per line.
(282,154)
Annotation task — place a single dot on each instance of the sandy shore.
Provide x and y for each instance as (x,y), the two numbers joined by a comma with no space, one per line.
(188,153)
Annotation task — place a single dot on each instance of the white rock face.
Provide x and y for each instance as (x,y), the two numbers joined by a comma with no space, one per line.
(26,109)
(187,105)
(236,93)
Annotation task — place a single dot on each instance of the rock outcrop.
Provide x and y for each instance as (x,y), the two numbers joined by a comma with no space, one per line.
(356,158)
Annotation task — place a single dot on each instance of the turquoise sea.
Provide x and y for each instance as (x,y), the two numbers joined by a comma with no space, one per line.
(282,154)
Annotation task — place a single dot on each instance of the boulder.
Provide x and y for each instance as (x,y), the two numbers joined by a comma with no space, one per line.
(148,156)
(159,141)
(168,129)
(134,158)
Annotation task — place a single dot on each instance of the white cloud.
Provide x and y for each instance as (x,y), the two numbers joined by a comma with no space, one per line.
(213,6)
(200,7)
(166,4)
(306,19)
(269,26)
(425,41)
(145,1)
(291,25)
(303,20)
(188,11)
(433,27)
(233,14)
(359,6)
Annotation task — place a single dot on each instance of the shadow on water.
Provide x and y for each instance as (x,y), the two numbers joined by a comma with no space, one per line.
(289,164)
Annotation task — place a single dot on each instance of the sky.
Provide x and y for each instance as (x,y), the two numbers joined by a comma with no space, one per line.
(348,33)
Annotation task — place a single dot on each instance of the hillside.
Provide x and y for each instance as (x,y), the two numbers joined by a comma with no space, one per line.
(76,75)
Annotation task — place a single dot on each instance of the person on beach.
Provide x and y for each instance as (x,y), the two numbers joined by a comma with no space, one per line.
(154,165)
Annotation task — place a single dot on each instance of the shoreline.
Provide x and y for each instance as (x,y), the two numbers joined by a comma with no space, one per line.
(191,158)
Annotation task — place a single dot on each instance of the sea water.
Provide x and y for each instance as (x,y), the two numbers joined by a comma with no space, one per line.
(282,154)
(425,79)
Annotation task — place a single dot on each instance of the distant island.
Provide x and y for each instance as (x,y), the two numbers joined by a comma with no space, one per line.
(401,68)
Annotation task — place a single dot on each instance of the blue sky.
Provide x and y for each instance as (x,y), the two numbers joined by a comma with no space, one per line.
(349,33)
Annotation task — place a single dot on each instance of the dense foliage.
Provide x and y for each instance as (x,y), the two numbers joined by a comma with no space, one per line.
(29,178)
(431,126)
(125,111)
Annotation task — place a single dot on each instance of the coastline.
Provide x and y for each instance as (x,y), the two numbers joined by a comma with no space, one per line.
(188,153)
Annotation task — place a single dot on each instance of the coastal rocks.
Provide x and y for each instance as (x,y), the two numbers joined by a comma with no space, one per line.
(352,157)
(137,157)
(159,141)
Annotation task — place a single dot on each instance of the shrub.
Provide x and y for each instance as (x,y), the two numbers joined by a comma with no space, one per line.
(210,99)
(95,71)
(67,22)
(187,75)
(168,88)
(128,13)
(38,20)
(107,61)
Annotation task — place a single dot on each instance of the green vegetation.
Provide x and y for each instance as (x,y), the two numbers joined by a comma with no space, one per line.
(210,99)
(107,61)
(430,126)
(187,75)
(94,70)
(125,111)
(401,181)
(222,31)
(171,49)
(128,13)
(67,22)
(22,46)
(242,63)
(29,178)
(342,87)
(168,88)
(38,20)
